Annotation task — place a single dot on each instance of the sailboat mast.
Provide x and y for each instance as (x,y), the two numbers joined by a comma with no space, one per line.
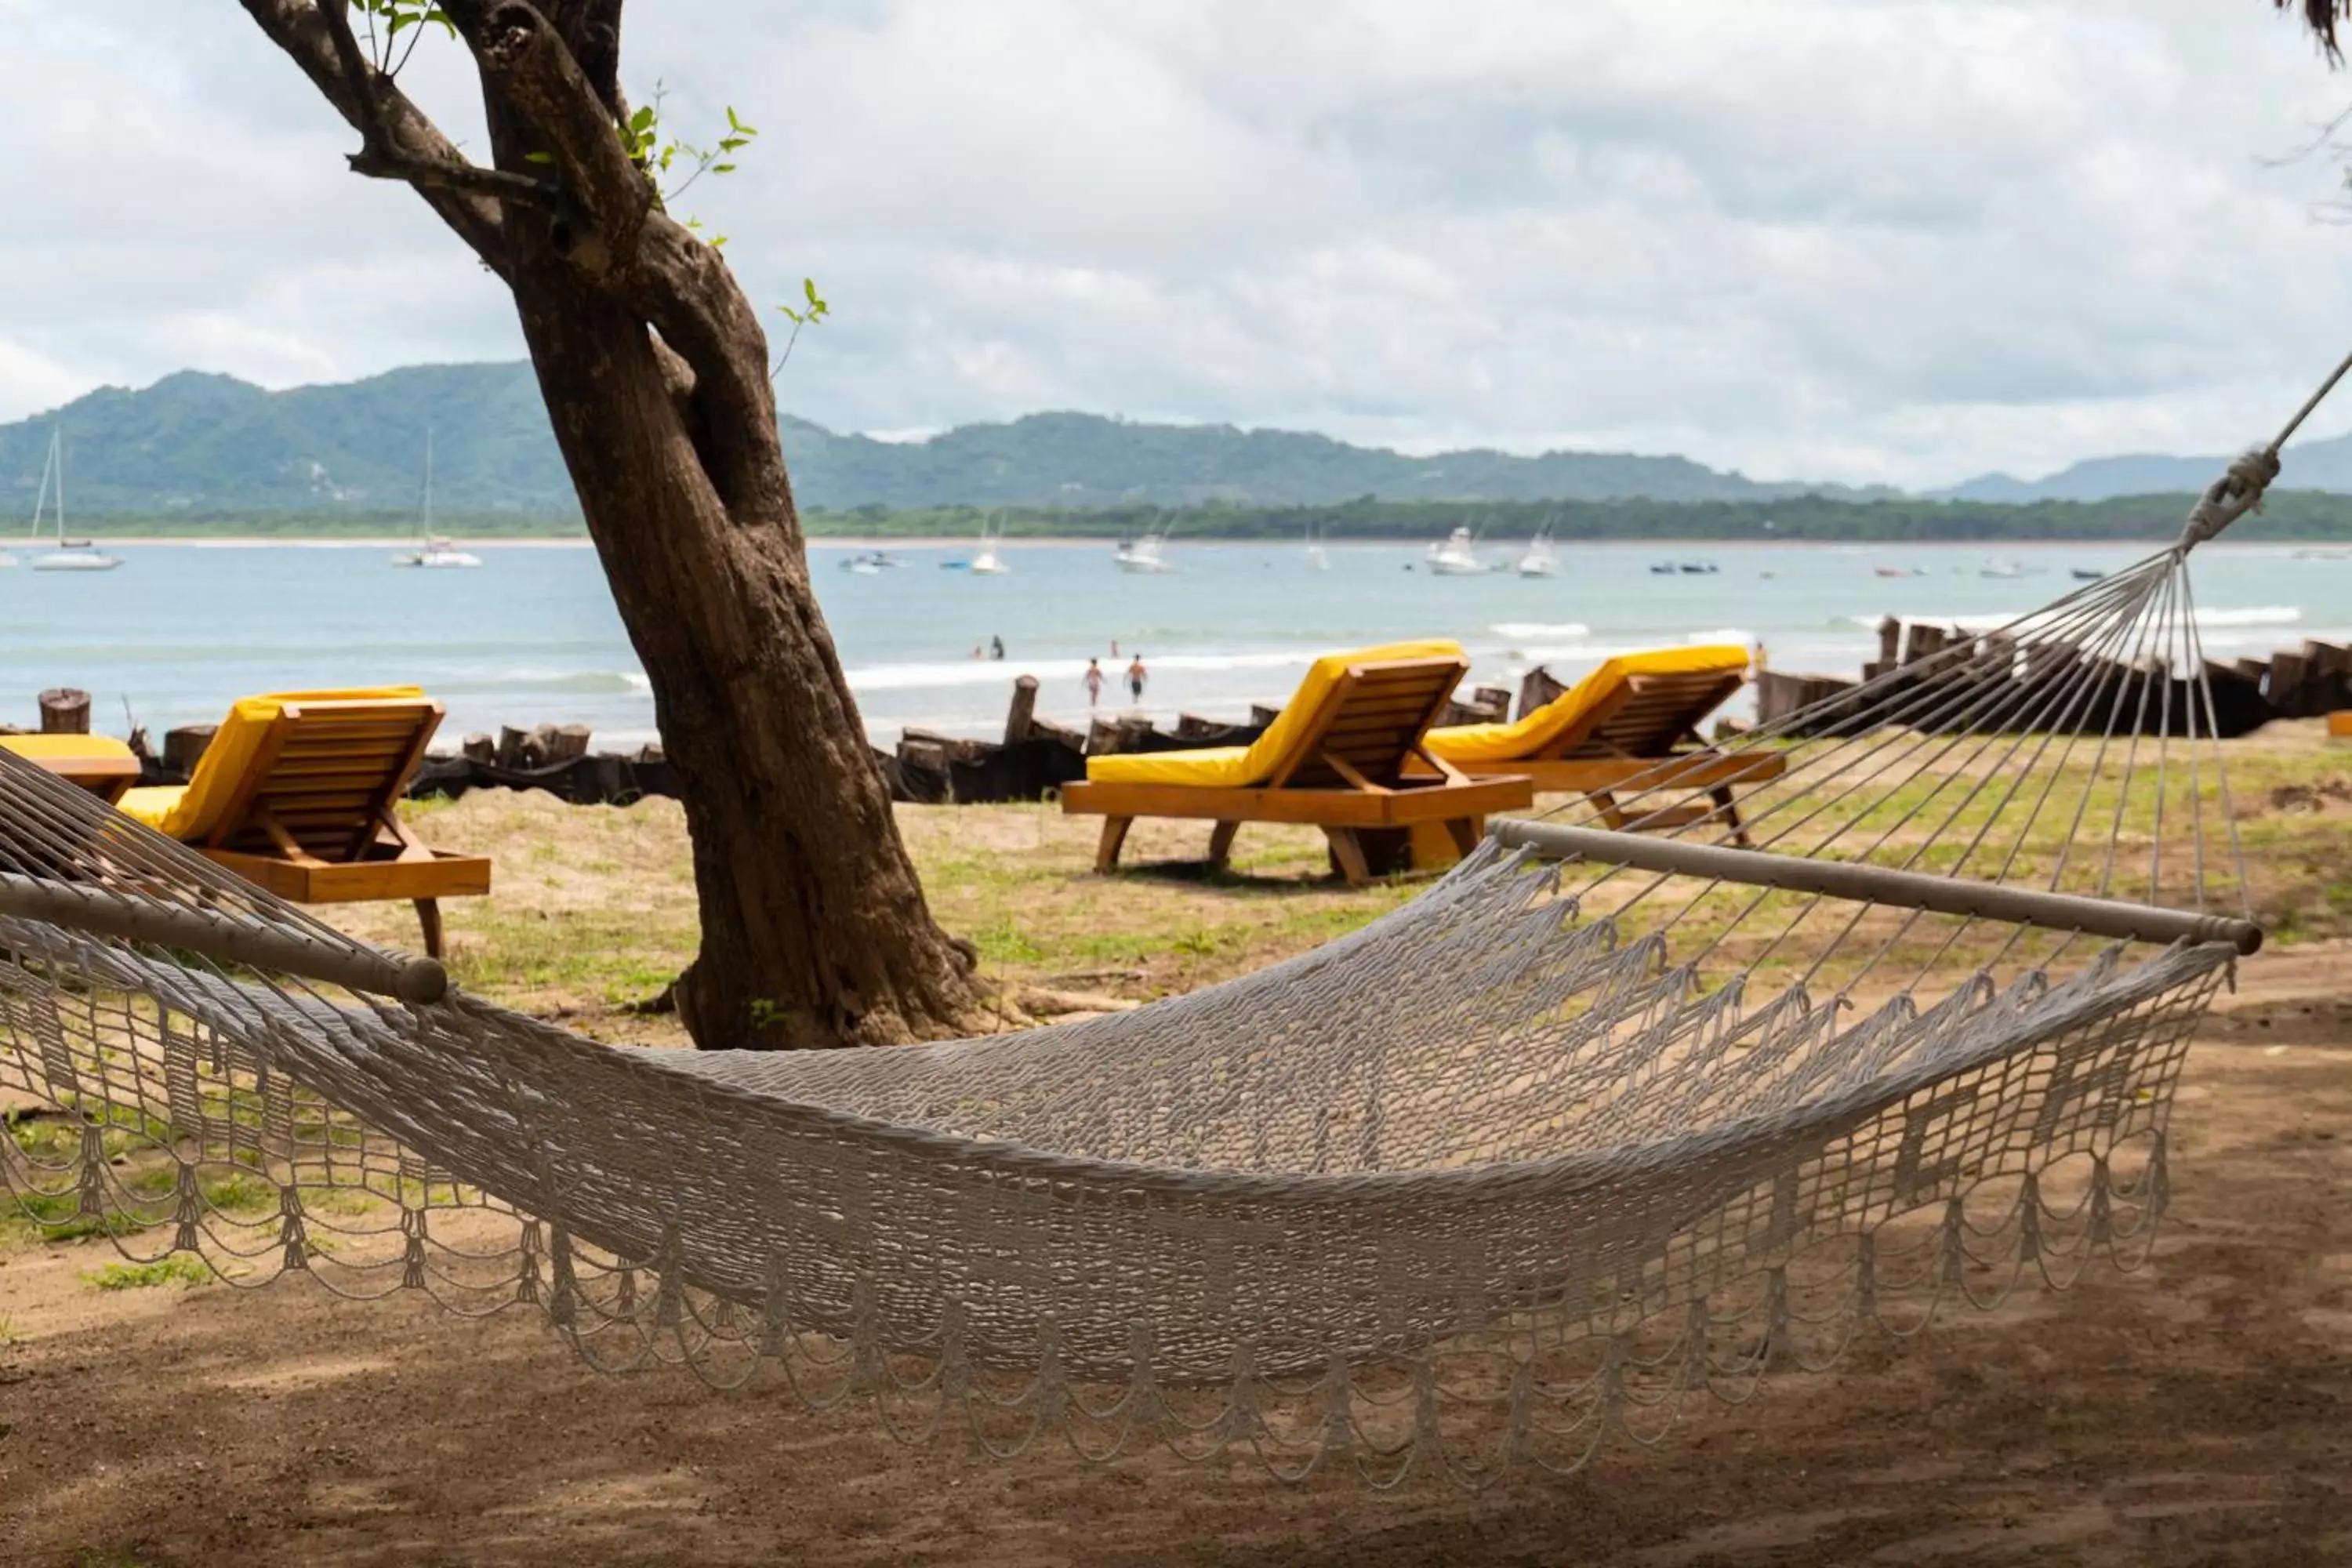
(428,481)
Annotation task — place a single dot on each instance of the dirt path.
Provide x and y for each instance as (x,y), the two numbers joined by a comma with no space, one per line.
(2200,1416)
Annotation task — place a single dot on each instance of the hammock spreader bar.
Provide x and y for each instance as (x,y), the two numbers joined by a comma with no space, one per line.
(2110,918)
(220,936)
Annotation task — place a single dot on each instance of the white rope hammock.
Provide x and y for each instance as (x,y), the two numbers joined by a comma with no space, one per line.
(1599,1122)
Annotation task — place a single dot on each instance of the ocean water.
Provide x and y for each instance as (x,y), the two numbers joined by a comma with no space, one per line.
(531,637)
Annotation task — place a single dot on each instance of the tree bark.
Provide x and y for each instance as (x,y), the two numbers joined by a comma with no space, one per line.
(655,373)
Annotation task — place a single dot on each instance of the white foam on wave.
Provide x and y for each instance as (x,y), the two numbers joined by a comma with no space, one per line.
(1518,631)
(995,671)
(1573,652)
(574,682)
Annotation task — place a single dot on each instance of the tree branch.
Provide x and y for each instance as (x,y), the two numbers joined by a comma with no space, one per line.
(525,63)
(592,30)
(500,184)
(358,71)
(372,102)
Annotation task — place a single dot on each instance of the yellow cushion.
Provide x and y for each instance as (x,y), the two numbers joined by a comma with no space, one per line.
(1467,744)
(1241,767)
(67,748)
(193,809)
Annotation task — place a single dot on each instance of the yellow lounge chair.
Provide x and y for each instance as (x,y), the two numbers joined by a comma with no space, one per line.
(99,763)
(1345,756)
(298,792)
(1618,732)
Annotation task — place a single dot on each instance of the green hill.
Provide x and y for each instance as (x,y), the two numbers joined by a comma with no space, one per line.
(197,443)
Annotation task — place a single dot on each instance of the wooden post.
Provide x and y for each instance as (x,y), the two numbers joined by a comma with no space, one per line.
(478,748)
(1922,642)
(562,742)
(65,711)
(1538,689)
(1022,713)
(2285,687)
(511,741)
(185,747)
(1890,642)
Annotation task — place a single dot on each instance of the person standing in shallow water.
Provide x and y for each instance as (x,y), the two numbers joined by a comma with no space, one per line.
(1136,675)
(1094,682)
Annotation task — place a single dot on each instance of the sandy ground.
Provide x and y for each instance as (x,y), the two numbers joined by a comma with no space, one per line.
(2197,1414)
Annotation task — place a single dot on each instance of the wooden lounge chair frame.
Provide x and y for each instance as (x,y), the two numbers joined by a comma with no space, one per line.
(1359,769)
(1623,744)
(315,817)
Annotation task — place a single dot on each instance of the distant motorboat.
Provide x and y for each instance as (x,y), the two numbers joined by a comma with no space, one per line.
(1457,557)
(1142,554)
(2084,574)
(1539,560)
(435,552)
(988,562)
(1697,568)
(2323,552)
(1892,571)
(2000,568)
(1316,558)
(64,554)
(863,566)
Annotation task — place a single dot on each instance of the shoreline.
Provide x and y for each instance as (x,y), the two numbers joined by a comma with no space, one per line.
(1034,541)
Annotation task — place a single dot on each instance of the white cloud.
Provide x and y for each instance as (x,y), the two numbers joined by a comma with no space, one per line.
(1863,239)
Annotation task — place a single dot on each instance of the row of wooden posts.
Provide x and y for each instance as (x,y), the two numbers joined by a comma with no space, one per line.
(1992,687)
(1037,755)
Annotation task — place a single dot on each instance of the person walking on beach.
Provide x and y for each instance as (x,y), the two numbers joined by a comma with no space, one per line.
(996,647)
(1136,675)
(1094,682)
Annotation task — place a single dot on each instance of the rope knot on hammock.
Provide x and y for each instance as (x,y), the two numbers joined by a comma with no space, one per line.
(2232,495)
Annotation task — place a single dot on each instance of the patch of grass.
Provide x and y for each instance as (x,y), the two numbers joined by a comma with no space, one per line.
(107,1557)
(55,1217)
(177,1269)
(9,1333)
(238,1193)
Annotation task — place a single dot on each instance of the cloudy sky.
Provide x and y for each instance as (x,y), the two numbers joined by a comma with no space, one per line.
(1857,239)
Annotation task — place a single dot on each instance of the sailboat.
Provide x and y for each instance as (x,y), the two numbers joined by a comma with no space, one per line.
(435,551)
(67,554)
(1143,554)
(1457,557)
(1539,560)
(1317,559)
(988,562)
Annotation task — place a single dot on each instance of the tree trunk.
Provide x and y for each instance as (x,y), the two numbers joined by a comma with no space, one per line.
(654,368)
(815,931)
